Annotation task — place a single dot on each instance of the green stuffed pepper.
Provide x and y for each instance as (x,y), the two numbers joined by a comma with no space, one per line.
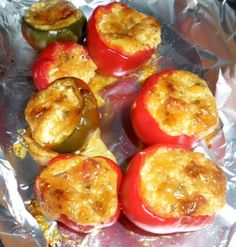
(49,21)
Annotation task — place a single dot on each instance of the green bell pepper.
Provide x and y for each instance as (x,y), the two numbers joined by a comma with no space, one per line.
(47,22)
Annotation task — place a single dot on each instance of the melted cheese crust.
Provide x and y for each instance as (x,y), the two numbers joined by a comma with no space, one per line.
(84,189)
(40,154)
(52,15)
(180,183)
(96,147)
(54,113)
(182,103)
(128,30)
(99,81)
(72,63)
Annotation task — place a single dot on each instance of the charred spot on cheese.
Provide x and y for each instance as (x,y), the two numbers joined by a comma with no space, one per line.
(176,182)
(54,113)
(72,63)
(128,30)
(83,189)
(52,15)
(182,103)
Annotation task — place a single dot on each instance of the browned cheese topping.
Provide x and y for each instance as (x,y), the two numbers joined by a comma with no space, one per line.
(181,183)
(128,29)
(54,113)
(182,103)
(52,15)
(83,189)
(73,63)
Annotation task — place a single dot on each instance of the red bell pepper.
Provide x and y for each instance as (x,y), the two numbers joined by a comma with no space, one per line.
(174,190)
(62,59)
(177,105)
(80,192)
(112,58)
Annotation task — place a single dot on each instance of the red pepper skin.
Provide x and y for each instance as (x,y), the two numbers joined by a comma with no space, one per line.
(145,126)
(70,223)
(110,60)
(46,59)
(135,209)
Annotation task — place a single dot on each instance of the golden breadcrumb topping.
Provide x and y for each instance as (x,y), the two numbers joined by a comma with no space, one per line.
(96,147)
(151,67)
(180,183)
(84,189)
(52,15)
(72,63)
(98,82)
(54,113)
(128,29)
(182,103)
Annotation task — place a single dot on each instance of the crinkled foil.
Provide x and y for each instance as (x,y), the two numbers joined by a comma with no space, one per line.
(198,35)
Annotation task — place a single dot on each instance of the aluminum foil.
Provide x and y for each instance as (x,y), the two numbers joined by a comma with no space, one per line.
(198,35)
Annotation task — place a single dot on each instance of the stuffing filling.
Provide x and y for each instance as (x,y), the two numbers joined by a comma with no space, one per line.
(177,183)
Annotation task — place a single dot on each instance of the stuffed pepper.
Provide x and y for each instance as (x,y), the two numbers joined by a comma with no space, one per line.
(80,192)
(62,59)
(170,189)
(62,116)
(174,107)
(120,39)
(49,21)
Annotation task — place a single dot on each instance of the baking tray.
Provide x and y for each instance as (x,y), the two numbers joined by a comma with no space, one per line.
(197,35)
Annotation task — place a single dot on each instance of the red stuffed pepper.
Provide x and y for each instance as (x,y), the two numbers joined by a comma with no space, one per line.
(120,39)
(169,189)
(62,59)
(174,107)
(80,192)
(63,116)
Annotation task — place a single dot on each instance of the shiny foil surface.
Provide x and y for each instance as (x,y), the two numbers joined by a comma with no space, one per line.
(197,35)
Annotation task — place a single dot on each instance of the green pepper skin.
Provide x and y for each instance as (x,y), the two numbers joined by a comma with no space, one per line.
(82,117)
(89,122)
(41,39)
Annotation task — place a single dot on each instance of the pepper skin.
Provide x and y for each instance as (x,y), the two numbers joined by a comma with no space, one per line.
(110,59)
(91,186)
(39,31)
(174,107)
(63,116)
(168,189)
(62,59)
